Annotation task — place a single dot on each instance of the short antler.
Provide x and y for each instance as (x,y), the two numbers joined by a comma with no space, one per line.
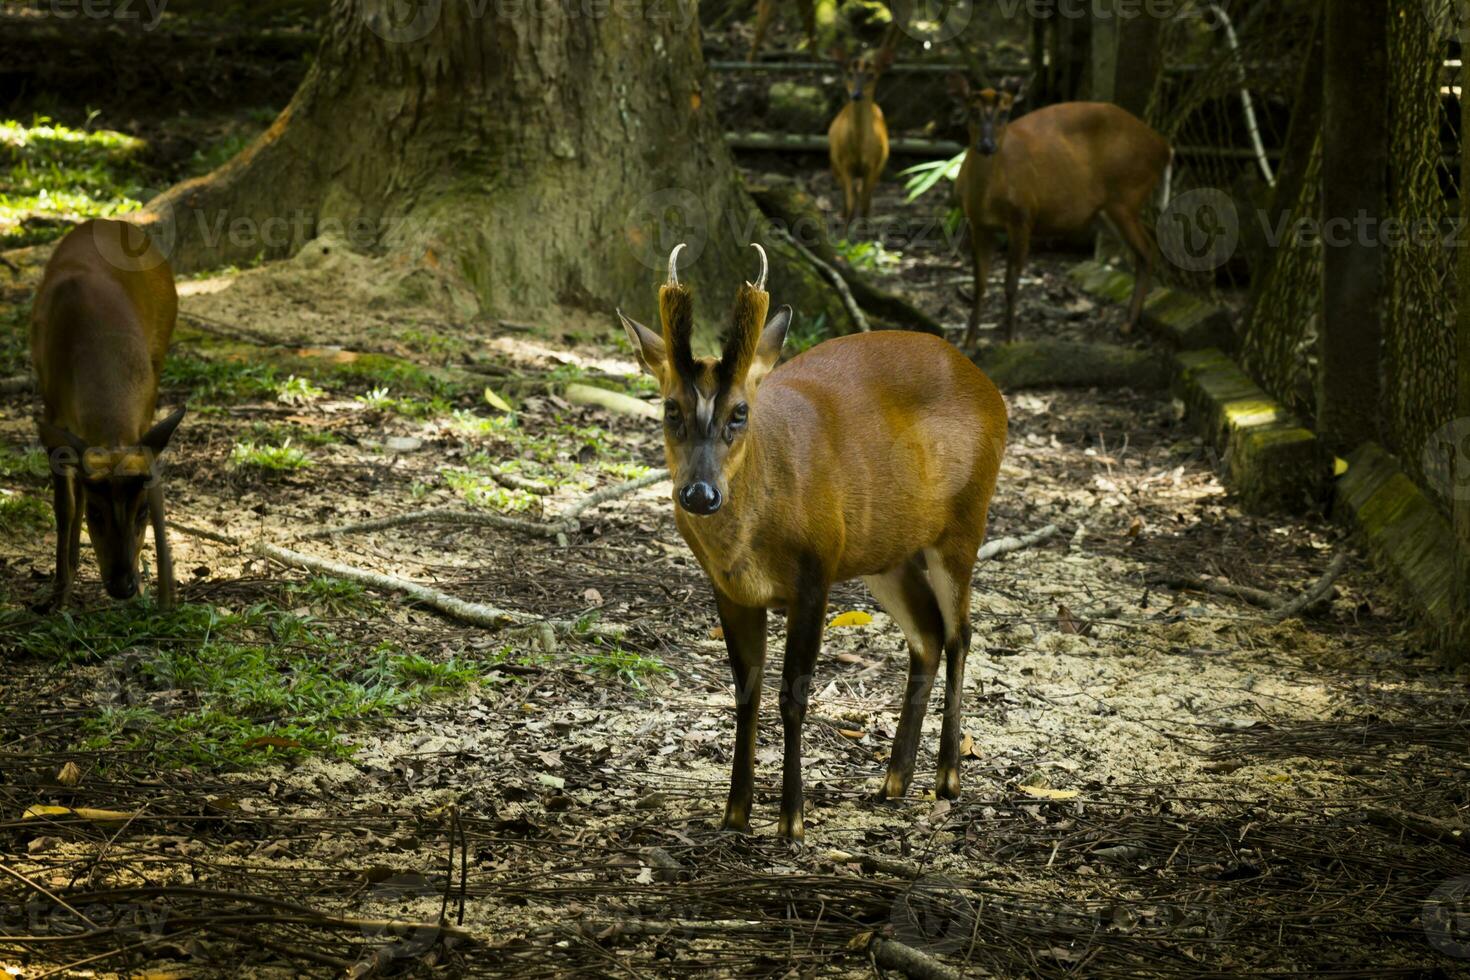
(760,281)
(674,264)
(676,314)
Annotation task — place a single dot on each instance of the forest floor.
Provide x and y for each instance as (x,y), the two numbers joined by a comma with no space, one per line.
(295,775)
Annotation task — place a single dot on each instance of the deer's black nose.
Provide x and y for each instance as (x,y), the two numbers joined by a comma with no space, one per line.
(123,586)
(700,498)
(988,147)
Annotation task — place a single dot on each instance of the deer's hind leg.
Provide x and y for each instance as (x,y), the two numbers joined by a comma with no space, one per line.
(905,594)
(951,564)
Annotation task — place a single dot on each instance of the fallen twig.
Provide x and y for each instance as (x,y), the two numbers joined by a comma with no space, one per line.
(1002,546)
(1444,831)
(853,310)
(15,385)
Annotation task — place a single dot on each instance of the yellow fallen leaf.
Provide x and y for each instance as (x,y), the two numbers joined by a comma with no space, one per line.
(855,618)
(1339,466)
(968,748)
(1047,793)
(70,774)
(85,813)
(496,402)
(851,733)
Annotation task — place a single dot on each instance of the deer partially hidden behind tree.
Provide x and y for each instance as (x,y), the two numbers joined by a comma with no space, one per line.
(1055,172)
(100,326)
(857,140)
(871,456)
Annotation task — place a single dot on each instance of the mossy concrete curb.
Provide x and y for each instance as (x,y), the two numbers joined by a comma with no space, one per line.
(1271,460)
(1407,537)
(1066,364)
(1183,321)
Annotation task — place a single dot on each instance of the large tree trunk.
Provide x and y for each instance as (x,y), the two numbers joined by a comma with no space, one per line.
(546,154)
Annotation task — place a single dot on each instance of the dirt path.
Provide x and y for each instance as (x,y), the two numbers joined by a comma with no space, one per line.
(1158,781)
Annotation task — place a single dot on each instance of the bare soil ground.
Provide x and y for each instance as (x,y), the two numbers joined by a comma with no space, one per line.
(1159,781)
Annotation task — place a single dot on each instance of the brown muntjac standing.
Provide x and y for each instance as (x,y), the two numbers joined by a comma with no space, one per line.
(871,456)
(100,326)
(766,9)
(857,140)
(1054,172)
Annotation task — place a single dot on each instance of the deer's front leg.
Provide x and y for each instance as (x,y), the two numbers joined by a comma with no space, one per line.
(745,642)
(65,491)
(803,639)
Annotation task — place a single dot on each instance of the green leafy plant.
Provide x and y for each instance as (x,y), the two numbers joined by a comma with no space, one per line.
(297,391)
(278,459)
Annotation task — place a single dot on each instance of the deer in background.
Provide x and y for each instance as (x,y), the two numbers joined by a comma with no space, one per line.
(870,456)
(1055,171)
(100,327)
(857,140)
(766,9)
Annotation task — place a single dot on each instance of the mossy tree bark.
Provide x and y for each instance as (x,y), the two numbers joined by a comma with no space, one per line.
(1460,485)
(547,154)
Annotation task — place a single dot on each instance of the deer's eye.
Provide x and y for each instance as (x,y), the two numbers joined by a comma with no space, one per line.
(739,414)
(674,418)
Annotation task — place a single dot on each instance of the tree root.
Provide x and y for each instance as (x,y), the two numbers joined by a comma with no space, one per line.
(853,310)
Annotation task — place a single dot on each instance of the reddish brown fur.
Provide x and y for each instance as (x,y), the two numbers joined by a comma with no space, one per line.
(100,326)
(872,456)
(857,140)
(1056,171)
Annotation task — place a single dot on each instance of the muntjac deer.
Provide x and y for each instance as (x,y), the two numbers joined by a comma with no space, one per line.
(100,326)
(1054,172)
(857,140)
(766,9)
(871,456)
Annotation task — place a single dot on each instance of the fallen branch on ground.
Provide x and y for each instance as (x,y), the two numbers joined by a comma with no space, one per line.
(909,961)
(1003,546)
(613,401)
(1272,603)
(1318,593)
(566,523)
(474,613)
(1444,831)
(840,284)
(15,385)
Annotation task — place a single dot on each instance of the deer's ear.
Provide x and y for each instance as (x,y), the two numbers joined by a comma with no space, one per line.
(648,346)
(768,349)
(157,437)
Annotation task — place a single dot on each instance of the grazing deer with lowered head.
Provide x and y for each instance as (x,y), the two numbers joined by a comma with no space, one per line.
(1054,171)
(857,140)
(100,326)
(870,456)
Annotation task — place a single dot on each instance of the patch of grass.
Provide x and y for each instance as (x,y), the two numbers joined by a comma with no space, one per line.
(198,684)
(53,176)
(623,665)
(275,459)
(220,380)
(381,371)
(20,513)
(330,595)
(27,465)
(479,490)
(277,433)
(382,400)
